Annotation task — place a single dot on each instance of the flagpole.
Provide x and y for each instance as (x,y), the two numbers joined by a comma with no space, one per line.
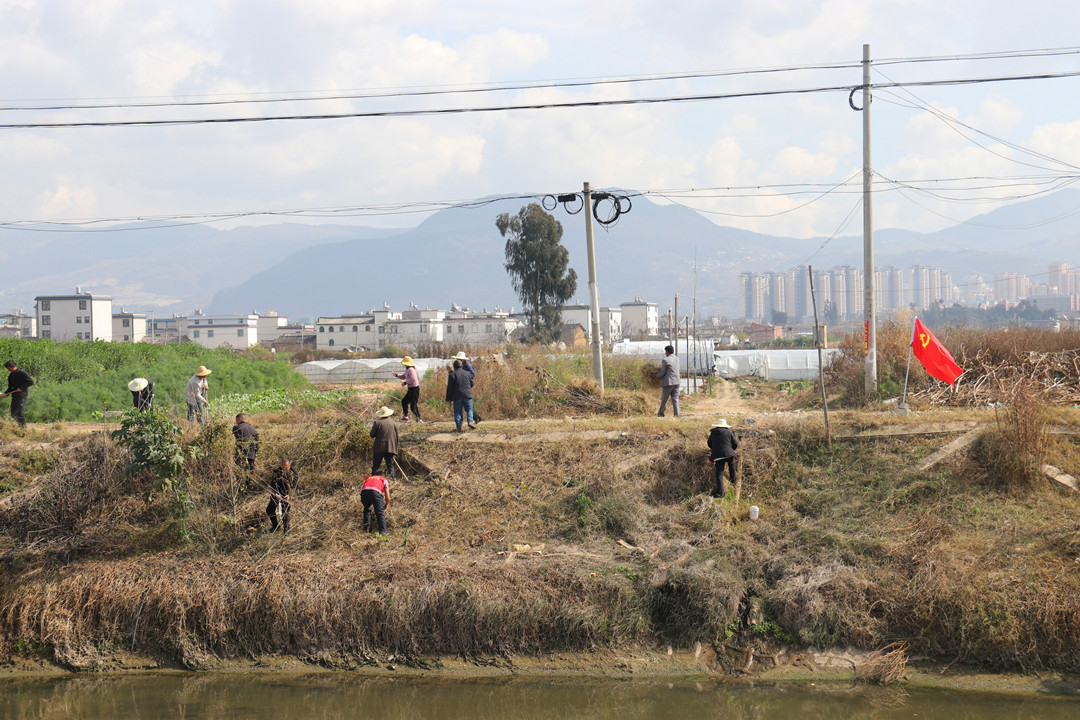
(903,406)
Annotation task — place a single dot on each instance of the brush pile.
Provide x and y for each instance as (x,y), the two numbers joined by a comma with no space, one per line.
(986,378)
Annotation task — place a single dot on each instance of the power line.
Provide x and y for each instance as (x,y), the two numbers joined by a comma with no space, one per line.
(676,196)
(952,122)
(436,90)
(843,182)
(532,106)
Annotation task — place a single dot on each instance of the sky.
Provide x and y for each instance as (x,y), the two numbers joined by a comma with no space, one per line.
(784,164)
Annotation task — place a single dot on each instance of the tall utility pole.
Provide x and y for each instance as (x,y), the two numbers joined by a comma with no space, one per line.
(870,316)
(820,365)
(594,293)
(676,343)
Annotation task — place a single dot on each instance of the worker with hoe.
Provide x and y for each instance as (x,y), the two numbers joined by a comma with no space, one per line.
(196,394)
(19,382)
(386,445)
(247,442)
(281,486)
(722,446)
(669,381)
(142,394)
(375,496)
(411,381)
(459,390)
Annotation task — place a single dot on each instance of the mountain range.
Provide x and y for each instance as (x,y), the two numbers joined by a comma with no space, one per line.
(456,256)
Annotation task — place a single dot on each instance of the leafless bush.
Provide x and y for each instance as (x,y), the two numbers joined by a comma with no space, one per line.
(1014,450)
(884,667)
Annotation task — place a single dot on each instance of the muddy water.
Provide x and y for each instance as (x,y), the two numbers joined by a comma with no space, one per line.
(214,697)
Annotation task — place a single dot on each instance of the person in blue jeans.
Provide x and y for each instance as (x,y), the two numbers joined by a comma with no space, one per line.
(459,390)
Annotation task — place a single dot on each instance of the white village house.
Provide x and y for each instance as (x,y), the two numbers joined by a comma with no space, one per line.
(82,316)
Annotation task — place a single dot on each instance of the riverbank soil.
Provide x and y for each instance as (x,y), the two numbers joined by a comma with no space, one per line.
(591,535)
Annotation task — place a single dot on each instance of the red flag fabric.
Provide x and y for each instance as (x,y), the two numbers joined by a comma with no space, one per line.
(932,354)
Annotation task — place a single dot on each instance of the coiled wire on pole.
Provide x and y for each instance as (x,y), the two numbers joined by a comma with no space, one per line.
(574,203)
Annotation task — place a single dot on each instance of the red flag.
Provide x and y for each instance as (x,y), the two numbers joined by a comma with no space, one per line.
(933,355)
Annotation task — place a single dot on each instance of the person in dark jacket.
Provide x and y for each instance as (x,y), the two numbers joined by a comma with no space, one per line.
(142,394)
(459,385)
(722,446)
(281,486)
(468,367)
(19,382)
(386,445)
(247,442)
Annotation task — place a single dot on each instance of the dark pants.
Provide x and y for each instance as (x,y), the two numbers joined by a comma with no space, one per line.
(669,391)
(719,465)
(271,512)
(245,463)
(412,397)
(373,504)
(377,460)
(18,405)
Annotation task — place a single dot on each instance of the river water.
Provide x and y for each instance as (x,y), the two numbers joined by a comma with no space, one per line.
(340,695)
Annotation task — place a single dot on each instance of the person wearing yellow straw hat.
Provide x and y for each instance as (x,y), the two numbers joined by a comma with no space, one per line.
(386,445)
(411,381)
(722,446)
(142,394)
(196,395)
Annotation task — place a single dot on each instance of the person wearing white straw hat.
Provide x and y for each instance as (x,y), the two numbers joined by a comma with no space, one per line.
(465,363)
(411,381)
(386,445)
(142,394)
(459,391)
(722,446)
(196,395)
(469,368)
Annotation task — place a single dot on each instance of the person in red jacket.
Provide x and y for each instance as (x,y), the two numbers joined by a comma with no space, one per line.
(375,495)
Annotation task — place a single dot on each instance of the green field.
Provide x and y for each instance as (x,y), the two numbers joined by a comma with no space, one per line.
(77,379)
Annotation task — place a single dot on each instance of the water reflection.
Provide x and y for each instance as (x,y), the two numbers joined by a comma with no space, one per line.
(221,697)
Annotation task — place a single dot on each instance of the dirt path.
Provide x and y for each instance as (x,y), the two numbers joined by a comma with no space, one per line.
(725,401)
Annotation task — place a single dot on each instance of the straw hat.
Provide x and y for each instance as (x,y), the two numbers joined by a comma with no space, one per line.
(460,356)
(722,422)
(383,412)
(138,384)
(407,361)
(202,371)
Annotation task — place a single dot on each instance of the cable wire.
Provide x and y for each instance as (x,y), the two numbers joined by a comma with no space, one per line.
(420,112)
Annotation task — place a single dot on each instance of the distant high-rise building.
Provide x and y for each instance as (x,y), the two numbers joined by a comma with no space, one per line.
(893,288)
(755,295)
(1010,286)
(1058,280)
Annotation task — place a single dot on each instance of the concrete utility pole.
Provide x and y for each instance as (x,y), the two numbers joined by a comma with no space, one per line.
(820,365)
(594,293)
(870,315)
(676,343)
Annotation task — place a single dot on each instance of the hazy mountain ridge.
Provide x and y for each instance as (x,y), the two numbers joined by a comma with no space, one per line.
(456,256)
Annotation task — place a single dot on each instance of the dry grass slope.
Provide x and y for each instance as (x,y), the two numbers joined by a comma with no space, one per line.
(532,546)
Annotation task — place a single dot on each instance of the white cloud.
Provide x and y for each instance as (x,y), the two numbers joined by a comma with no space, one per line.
(124,48)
